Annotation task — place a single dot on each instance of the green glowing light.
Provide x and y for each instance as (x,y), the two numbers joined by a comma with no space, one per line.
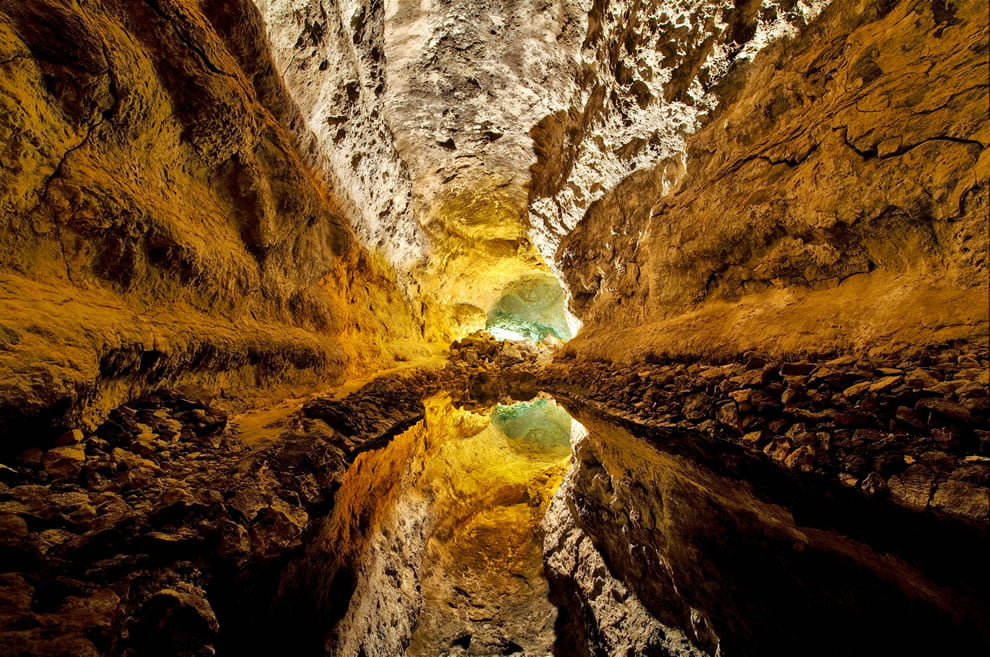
(536,426)
(510,326)
(530,308)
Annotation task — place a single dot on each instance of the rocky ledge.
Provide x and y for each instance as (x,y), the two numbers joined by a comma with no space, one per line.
(913,428)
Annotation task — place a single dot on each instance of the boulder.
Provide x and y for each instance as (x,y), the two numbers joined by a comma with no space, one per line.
(913,487)
(964,500)
(64,462)
(177,623)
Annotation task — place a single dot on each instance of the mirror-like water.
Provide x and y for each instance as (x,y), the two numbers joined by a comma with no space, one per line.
(481,533)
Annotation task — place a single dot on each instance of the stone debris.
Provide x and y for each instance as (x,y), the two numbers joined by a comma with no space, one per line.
(113,538)
(858,422)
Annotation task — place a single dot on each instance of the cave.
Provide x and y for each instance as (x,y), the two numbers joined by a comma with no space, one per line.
(576,329)
(532,308)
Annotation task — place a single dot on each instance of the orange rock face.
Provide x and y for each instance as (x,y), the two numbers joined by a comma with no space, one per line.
(158,225)
(835,199)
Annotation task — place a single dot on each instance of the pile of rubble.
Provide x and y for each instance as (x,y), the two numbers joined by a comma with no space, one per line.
(914,428)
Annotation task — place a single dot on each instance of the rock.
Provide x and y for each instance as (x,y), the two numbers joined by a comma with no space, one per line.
(728,414)
(797,369)
(913,487)
(800,436)
(51,540)
(755,363)
(944,408)
(234,542)
(939,462)
(778,449)
(137,472)
(801,459)
(848,480)
(178,623)
(886,383)
(741,396)
(945,388)
(248,502)
(789,395)
(277,527)
(964,500)
(873,484)
(74,508)
(13,529)
(70,438)
(15,595)
(857,389)
(919,378)
(972,390)
(853,419)
(908,417)
(64,462)
(855,464)
(973,472)
(753,439)
(822,373)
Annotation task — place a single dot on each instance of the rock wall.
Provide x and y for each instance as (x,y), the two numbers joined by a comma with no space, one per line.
(598,615)
(159,227)
(645,80)
(465,82)
(911,430)
(331,55)
(833,198)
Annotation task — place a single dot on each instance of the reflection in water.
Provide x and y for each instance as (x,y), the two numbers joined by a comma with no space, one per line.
(454,538)
(539,427)
(434,544)
(748,562)
(482,574)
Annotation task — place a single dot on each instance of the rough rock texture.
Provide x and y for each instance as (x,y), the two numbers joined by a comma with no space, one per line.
(158,225)
(466,79)
(645,79)
(599,616)
(170,535)
(908,429)
(835,198)
(331,56)
(770,213)
(709,541)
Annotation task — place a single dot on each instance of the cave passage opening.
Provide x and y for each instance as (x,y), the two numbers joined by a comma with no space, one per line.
(532,308)
(539,426)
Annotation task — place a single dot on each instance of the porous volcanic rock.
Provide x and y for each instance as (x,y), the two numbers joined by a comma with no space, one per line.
(159,225)
(834,197)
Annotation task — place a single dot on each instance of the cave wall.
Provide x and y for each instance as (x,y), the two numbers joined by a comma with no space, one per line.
(825,193)
(645,79)
(466,80)
(331,55)
(159,226)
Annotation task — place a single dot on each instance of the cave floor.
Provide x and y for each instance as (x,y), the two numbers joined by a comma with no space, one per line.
(508,504)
